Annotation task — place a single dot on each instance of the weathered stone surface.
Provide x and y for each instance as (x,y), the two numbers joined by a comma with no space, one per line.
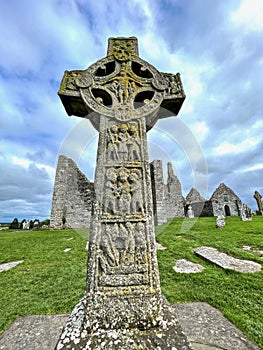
(258,197)
(168,201)
(225,201)
(185,266)
(175,200)
(246,214)
(194,197)
(72,196)
(225,261)
(158,192)
(10,265)
(220,221)
(33,333)
(190,213)
(207,329)
(166,334)
(121,95)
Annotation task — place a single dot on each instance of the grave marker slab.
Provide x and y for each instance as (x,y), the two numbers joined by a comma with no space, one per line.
(226,261)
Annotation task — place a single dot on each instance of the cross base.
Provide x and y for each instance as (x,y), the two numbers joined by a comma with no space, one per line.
(77,335)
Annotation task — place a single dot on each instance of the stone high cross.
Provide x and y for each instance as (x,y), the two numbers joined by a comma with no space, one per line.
(258,197)
(122,308)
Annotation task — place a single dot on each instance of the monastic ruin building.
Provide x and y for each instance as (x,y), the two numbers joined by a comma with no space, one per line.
(194,197)
(73,194)
(225,201)
(199,205)
(168,201)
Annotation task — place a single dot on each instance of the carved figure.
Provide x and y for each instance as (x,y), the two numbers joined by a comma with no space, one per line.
(123,191)
(121,244)
(112,147)
(134,141)
(136,191)
(110,191)
(107,257)
(123,139)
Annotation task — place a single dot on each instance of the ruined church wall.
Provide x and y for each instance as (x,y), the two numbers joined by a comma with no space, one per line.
(224,198)
(168,201)
(72,196)
(202,208)
(174,199)
(158,192)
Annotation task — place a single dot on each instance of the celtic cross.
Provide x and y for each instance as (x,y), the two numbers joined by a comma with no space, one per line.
(121,95)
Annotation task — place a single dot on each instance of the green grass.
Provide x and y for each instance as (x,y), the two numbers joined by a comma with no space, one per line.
(49,281)
(238,295)
(52,282)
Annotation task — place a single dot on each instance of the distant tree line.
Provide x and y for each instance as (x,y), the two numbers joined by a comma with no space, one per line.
(15,225)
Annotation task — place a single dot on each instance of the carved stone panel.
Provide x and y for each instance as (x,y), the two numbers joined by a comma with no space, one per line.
(123,143)
(122,255)
(123,192)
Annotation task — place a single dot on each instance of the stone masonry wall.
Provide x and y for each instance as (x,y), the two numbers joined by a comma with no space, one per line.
(194,197)
(225,201)
(159,191)
(202,208)
(168,201)
(174,198)
(72,196)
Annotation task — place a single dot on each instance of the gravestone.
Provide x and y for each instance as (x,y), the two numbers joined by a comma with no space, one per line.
(245,214)
(190,213)
(226,261)
(220,221)
(123,307)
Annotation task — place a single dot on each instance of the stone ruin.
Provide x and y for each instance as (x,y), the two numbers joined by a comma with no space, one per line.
(225,201)
(73,195)
(168,201)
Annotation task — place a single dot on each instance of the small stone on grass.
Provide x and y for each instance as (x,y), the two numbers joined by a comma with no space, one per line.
(10,265)
(66,250)
(185,266)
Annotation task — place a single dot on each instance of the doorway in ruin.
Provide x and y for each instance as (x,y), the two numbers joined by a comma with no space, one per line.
(227,210)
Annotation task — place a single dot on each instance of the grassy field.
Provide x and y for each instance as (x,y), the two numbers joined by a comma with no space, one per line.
(51,281)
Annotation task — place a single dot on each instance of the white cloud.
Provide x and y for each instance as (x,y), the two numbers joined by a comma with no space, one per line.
(249,15)
(217,48)
(227,147)
(200,130)
(254,167)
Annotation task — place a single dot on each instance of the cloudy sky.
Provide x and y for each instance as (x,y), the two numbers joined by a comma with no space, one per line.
(217,47)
